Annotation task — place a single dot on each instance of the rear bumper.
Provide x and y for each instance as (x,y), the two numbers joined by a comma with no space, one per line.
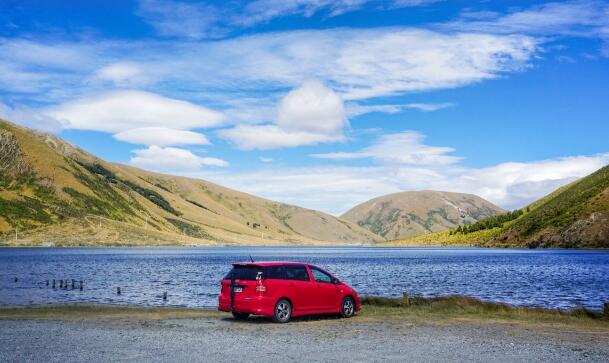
(259,305)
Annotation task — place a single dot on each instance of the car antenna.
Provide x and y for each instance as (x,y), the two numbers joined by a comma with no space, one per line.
(251,259)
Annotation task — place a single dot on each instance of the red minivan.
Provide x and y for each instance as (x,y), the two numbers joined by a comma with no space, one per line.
(284,290)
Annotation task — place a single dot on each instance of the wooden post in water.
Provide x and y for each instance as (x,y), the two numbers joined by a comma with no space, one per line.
(61,284)
(82,285)
(16,279)
(405,298)
(165,295)
(118,290)
(47,282)
(73,283)
(53,283)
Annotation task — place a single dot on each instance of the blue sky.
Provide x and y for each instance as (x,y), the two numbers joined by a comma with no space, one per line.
(320,103)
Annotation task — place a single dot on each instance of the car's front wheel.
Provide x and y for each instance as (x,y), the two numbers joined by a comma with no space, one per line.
(283,311)
(347,308)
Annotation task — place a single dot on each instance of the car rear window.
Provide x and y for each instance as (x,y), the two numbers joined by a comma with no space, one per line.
(246,272)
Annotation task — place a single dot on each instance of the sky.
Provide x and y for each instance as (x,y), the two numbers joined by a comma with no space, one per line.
(320,103)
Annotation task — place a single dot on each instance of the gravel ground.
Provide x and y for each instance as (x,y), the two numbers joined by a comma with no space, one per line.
(318,339)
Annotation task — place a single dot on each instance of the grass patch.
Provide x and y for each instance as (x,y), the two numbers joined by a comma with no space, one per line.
(91,312)
(189,229)
(468,308)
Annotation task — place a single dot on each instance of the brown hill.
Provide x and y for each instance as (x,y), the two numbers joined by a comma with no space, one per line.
(52,192)
(408,214)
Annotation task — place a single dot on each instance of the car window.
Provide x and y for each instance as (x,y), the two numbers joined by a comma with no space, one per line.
(320,276)
(275,272)
(296,272)
(245,272)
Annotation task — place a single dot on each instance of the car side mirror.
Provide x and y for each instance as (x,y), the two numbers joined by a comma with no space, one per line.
(335,281)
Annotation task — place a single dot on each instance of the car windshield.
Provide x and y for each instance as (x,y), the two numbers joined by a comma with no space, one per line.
(245,272)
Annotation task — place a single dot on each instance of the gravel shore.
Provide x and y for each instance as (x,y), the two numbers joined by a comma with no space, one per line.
(220,338)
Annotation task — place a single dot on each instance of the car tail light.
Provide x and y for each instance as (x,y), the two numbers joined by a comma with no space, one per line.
(260,289)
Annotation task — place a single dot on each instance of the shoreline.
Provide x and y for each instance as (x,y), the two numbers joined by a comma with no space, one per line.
(446,309)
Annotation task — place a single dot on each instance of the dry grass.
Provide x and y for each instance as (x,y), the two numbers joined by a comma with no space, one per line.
(450,309)
(103,312)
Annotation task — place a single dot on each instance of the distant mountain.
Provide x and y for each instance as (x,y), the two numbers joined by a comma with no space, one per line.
(53,192)
(573,216)
(410,214)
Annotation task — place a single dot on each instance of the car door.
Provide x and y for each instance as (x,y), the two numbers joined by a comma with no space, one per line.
(300,288)
(327,295)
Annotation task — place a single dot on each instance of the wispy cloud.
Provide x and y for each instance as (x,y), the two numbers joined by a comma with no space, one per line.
(199,20)
(584,18)
(356,109)
(171,159)
(161,136)
(405,148)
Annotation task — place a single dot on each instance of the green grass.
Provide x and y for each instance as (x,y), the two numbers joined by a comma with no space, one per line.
(565,207)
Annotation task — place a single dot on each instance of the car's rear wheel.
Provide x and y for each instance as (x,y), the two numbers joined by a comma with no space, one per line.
(240,316)
(347,308)
(283,311)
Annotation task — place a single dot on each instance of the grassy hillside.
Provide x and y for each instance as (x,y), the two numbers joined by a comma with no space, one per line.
(573,216)
(53,192)
(408,214)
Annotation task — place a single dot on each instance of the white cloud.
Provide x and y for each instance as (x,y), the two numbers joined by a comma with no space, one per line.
(125,110)
(313,108)
(29,117)
(401,148)
(266,137)
(356,63)
(203,20)
(265,160)
(122,73)
(579,18)
(161,136)
(180,19)
(356,109)
(170,159)
(335,189)
(308,115)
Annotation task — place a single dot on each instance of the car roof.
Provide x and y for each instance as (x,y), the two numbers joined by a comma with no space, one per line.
(268,263)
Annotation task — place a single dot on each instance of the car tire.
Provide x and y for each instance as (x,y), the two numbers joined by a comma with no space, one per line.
(283,311)
(240,316)
(347,307)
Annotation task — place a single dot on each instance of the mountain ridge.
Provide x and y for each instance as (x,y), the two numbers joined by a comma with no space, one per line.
(57,193)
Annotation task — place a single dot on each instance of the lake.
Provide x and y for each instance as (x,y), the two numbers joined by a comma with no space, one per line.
(190,276)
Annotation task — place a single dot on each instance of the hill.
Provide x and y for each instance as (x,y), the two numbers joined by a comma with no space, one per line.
(408,214)
(573,216)
(52,192)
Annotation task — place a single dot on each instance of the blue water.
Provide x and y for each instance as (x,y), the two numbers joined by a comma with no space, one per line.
(190,276)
